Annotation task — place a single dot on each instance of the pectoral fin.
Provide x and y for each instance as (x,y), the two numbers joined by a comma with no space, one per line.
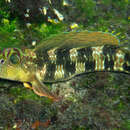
(27,85)
(40,89)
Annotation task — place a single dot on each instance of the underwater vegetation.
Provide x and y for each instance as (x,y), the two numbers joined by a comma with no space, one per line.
(93,101)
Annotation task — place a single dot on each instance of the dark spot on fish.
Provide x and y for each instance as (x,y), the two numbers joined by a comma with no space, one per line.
(85,56)
(111,51)
(126,67)
(82,53)
(89,66)
(69,68)
(109,64)
(42,57)
(62,55)
(127,59)
(50,71)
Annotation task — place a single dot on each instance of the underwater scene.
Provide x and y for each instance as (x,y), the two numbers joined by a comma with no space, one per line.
(64,65)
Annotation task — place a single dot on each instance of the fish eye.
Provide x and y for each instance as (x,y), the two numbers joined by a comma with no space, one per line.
(14,59)
(2,61)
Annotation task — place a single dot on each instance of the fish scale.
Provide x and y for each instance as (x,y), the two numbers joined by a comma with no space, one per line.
(62,57)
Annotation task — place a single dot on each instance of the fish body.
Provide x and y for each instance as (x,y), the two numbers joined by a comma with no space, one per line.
(62,57)
(62,64)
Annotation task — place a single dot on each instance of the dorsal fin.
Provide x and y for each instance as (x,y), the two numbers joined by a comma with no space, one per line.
(78,39)
(121,36)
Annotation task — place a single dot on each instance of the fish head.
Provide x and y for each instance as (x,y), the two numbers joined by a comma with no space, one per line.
(14,65)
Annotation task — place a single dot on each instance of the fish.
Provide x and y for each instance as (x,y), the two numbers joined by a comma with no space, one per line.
(62,57)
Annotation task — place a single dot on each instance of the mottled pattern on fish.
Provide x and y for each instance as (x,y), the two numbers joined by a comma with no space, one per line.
(61,64)
(63,57)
